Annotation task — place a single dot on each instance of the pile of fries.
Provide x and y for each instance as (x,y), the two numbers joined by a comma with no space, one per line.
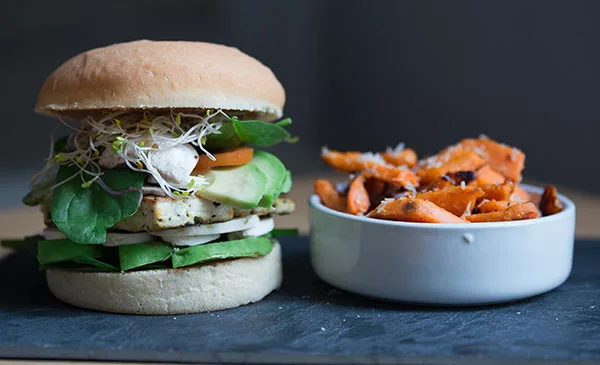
(476,180)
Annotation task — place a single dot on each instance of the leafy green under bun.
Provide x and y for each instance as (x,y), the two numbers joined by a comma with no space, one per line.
(66,254)
(65,251)
(285,232)
(247,247)
(234,133)
(96,264)
(142,254)
(84,213)
(53,251)
(29,242)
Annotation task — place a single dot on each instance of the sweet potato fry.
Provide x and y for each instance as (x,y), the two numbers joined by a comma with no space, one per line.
(414,210)
(406,156)
(455,160)
(520,195)
(371,164)
(515,212)
(498,191)
(358,201)
(329,196)
(488,206)
(393,175)
(550,204)
(487,175)
(475,180)
(456,199)
(344,161)
(509,161)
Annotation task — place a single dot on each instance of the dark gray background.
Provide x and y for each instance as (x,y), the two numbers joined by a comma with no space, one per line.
(358,74)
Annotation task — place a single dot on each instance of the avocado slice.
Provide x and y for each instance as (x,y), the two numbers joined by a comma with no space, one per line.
(287,182)
(246,247)
(275,172)
(241,186)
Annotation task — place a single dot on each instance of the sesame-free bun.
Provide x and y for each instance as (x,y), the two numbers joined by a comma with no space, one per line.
(194,289)
(162,75)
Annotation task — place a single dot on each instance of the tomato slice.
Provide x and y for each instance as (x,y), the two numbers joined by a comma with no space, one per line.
(237,157)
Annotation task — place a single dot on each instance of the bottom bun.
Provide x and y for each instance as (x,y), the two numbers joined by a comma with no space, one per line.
(209,287)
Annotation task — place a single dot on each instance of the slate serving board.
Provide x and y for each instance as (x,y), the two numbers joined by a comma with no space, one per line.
(308,321)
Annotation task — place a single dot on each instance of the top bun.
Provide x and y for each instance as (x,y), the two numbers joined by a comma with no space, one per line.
(157,75)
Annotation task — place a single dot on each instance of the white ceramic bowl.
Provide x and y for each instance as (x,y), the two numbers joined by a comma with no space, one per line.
(442,264)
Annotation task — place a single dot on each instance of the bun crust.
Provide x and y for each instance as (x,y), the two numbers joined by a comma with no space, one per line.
(158,75)
(210,287)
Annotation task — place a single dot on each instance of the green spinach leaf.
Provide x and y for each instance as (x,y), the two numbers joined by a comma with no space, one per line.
(61,250)
(64,251)
(257,133)
(84,214)
(142,254)
(90,261)
(283,232)
(28,244)
(246,247)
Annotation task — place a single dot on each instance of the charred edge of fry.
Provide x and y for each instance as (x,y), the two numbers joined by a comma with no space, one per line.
(550,204)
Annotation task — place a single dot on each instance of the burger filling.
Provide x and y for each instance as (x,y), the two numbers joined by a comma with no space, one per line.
(149,190)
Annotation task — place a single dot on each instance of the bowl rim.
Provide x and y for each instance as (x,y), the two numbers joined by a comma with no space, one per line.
(569,208)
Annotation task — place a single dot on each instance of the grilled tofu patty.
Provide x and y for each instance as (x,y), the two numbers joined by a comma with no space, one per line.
(159,212)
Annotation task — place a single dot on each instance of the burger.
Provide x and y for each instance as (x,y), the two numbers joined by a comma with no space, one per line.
(161,199)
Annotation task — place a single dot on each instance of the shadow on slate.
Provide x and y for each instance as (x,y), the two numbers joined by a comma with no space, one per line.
(306,321)
(23,286)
